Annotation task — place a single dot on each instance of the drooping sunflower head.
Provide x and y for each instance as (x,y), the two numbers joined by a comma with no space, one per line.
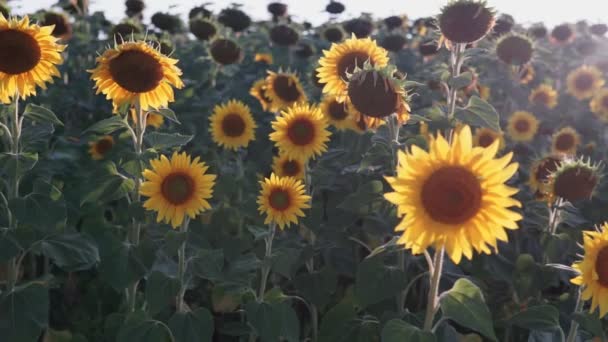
(334,34)
(485,137)
(29,55)
(515,49)
(100,147)
(575,180)
(394,42)
(522,126)
(284,166)
(264,58)
(62,26)
(232,125)
(177,187)
(541,172)
(359,27)
(342,59)
(225,51)
(544,95)
(203,29)
(565,141)
(454,196)
(125,31)
(599,104)
(466,21)
(526,74)
(282,199)
(136,72)
(503,25)
(301,132)
(593,269)
(277,9)
(134,7)
(584,82)
(562,34)
(283,35)
(234,18)
(284,90)
(335,7)
(337,114)
(394,22)
(258,90)
(599,29)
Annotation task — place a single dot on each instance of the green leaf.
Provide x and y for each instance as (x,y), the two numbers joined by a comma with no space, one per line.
(465,305)
(16,165)
(590,323)
(122,263)
(397,330)
(336,321)
(24,313)
(209,264)
(160,291)
(107,126)
(167,113)
(479,113)
(110,188)
(9,246)
(41,114)
(359,202)
(39,211)
(461,81)
(272,321)
(541,317)
(144,331)
(317,287)
(192,326)
(376,281)
(71,252)
(163,141)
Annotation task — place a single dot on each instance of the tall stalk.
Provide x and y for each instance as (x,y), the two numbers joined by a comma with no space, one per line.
(574,325)
(265,269)
(181,267)
(432,300)
(15,135)
(456,60)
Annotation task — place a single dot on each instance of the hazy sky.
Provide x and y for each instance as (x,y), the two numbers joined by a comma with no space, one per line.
(551,12)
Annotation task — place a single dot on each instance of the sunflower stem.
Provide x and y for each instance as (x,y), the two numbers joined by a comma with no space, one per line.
(456,59)
(12,265)
(181,267)
(266,265)
(431,305)
(574,325)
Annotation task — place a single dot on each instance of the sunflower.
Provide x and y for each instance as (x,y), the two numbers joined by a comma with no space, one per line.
(565,141)
(454,196)
(466,21)
(282,200)
(338,114)
(599,104)
(584,82)
(301,132)
(485,137)
(342,59)
(264,58)
(515,49)
(99,148)
(593,269)
(259,92)
(562,34)
(544,95)
(284,166)
(177,187)
(136,72)
(526,74)
(232,125)
(284,90)
(522,126)
(574,180)
(540,173)
(29,55)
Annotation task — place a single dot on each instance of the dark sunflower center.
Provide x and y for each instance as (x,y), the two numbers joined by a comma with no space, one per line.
(541,98)
(466,22)
(286,88)
(451,195)
(584,81)
(19,52)
(301,132)
(373,94)
(522,125)
(546,167)
(291,168)
(561,33)
(279,199)
(350,61)
(136,71)
(576,183)
(486,140)
(337,111)
(601,266)
(103,146)
(564,142)
(177,188)
(62,26)
(514,50)
(233,125)
(225,51)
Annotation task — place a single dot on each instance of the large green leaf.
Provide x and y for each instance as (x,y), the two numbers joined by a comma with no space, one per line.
(465,305)
(376,281)
(335,323)
(24,313)
(591,323)
(108,189)
(16,165)
(192,326)
(144,331)
(540,317)
(163,141)
(264,319)
(317,287)
(167,113)
(40,211)
(397,330)
(209,264)
(479,113)
(71,252)
(41,114)
(160,291)
(108,126)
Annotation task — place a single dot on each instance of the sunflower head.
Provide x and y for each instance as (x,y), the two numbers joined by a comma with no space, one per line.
(394,42)
(264,58)
(335,7)
(526,74)
(544,95)
(504,24)
(565,141)
(225,51)
(342,59)
(284,166)
(394,22)
(202,28)
(29,57)
(62,26)
(541,172)
(258,90)
(359,27)
(428,48)
(466,21)
(134,7)
(167,22)
(284,90)
(514,49)
(301,132)
(234,18)
(598,29)
(277,9)
(177,187)
(562,34)
(100,147)
(337,114)
(125,31)
(232,125)
(575,180)
(485,137)
(584,82)
(283,35)
(282,199)
(593,269)
(334,34)
(454,196)
(599,104)
(522,126)
(538,31)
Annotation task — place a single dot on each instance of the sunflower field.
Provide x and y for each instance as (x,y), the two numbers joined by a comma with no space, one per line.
(217,178)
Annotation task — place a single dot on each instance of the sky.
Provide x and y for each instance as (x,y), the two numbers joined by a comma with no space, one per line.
(552,12)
